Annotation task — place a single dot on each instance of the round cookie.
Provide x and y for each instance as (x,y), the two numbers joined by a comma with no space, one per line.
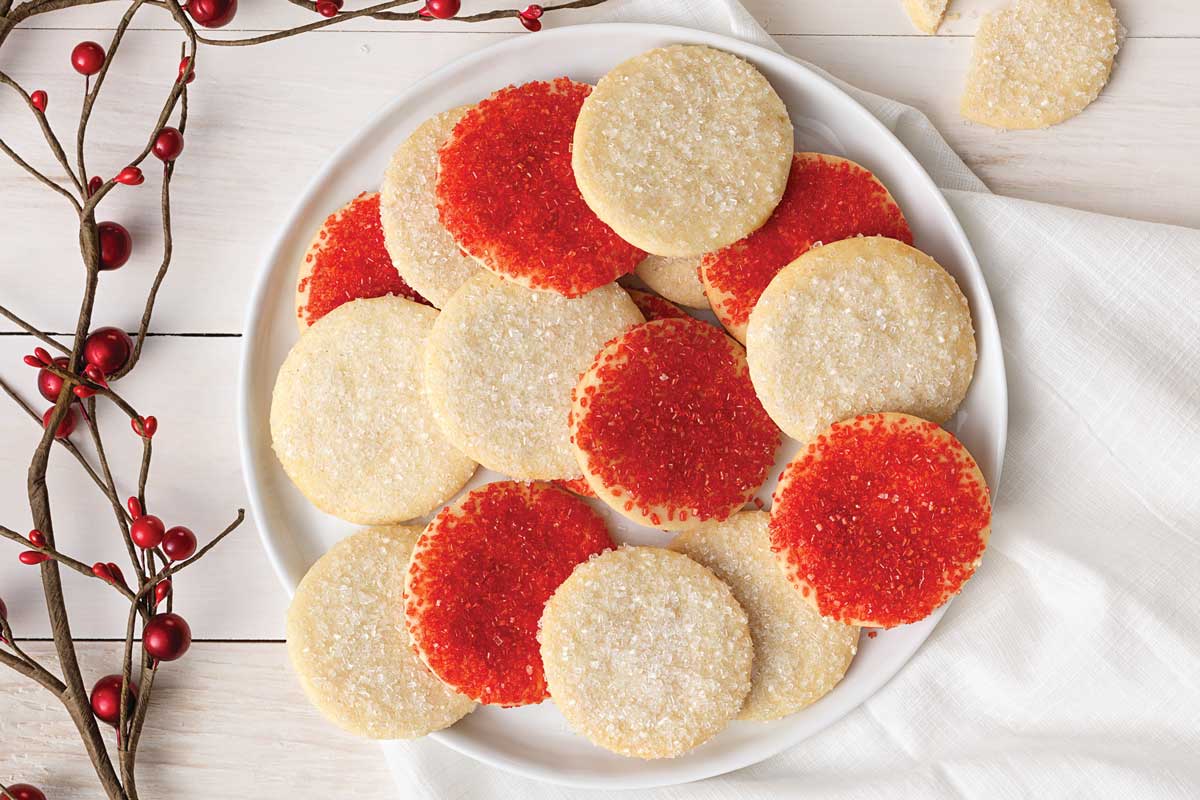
(799,656)
(350,650)
(683,149)
(479,578)
(827,199)
(500,365)
(654,307)
(862,325)
(881,520)
(347,261)
(350,423)
(666,427)
(1037,63)
(423,251)
(646,652)
(677,279)
(506,192)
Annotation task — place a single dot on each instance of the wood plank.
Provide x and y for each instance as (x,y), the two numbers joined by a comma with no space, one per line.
(195,480)
(228,720)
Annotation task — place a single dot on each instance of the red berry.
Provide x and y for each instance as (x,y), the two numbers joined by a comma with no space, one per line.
(23,791)
(116,245)
(83,392)
(65,426)
(130,176)
(106,699)
(87,58)
(212,13)
(179,543)
(531,23)
(32,557)
(101,571)
(37,538)
(135,508)
(49,384)
(94,185)
(443,9)
(191,73)
(329,8)
(161,590)
(40,100)
(168,144)
(147,531)
(167,637)
(107,349)
(533,12)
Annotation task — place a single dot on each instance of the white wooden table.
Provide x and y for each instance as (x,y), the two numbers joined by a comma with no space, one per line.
(229,719)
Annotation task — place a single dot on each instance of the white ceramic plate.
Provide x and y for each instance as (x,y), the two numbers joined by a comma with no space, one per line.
(535,741)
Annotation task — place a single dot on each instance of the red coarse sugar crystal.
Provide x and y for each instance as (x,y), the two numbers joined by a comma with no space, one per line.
(827,199)
(654,307)
(348,261)
(668,421)
(480,576)
(507,193)
(881,519)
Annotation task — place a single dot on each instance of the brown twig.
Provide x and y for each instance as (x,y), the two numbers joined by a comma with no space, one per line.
(30,329)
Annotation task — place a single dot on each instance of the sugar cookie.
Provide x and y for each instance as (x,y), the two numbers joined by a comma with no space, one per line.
(349,422)
(677,279)
(666,427)
(827,199)
(646,652)
(347,261)
(506,192)
(683,149)
(500,366)
(423,251)
(799,656)
(858,326)
(654,307)
(1040,62)
(348,645)
(926,14)
(480,576)
(577,486)
(881,519)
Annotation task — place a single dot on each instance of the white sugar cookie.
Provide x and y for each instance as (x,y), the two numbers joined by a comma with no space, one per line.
(682,149)
(646,652)
(857,326)
(677,279)
(347,642)
(926,14)
(501,363)
(799,656)
(1040,62)
(423,251)
(350,423)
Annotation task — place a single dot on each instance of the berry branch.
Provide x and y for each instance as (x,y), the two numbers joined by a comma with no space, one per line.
(78,380)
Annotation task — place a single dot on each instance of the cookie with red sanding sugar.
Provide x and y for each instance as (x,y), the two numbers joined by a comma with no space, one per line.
(827,199)
(480,576)
(347,261)
(677,279)
(422,249)
(578,486)
(506,192)
(354,660)
(654,307)
(881,519)
(860,326)
(646,652)
(666,426)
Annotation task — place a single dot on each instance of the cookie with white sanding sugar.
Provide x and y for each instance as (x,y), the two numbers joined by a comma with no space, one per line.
(349,420)
(799,656)
(683,149)
(506,192)
(348,645)
(424,252)
(858,326)
(500,365)
(347,261)
(677,279)
(480,577)
(926,14)
(646,652)
(1037,63)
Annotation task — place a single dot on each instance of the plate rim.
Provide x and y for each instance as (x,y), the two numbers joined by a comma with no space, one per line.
(255,317)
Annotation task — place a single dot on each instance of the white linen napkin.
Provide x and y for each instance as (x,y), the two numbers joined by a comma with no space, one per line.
(1070,664)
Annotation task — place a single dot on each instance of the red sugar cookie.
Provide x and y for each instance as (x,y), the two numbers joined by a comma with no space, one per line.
(827,199)
(881,519)
(654,307)
(577,485)
(667,428)
(479,578)
(347,261)
(507,193)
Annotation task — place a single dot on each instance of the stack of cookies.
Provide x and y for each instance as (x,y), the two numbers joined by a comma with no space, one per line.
(511,299)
